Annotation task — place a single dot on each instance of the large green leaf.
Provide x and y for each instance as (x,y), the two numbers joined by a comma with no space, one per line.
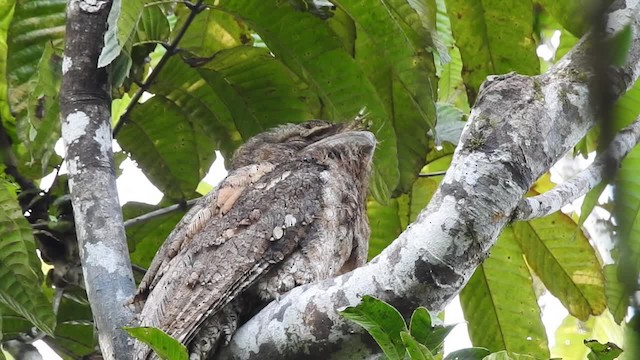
(34,24)
(617,298)
(186,89)
(144,239)
(75,334)
(404,76)
(259,92)
(19,264)
(560,254)
(39,128)
(388,221)
(310,48)
(123,21)
(6,15)
(382,321)
(450,86)
(171,149)
(153,26)
(494,37)
(13,324)
(210,31)
(500,305)
(627,213)
(166,347)
(571,14)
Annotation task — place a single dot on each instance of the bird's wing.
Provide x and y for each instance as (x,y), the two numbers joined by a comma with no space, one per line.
(215,203)
(232,251)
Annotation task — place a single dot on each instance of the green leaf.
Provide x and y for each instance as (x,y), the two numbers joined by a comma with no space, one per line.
(608,351)
(420,326)
(6,15)
(382,321)
(35,23)
(166,347)
(626,211)
(619,46)
(74,335)
(617,299)
(20,266)
(425,334)
(212,30)
(506,355)
(308,46)
(388,221)
(403,74)
(144,239)
(468,354)
(40,129)
(174,153)
(450,123)
(590,201)
(385,225)
(494,37)
(259,92)
(500,305)
(571,14)
(12,323)
(123,21)
(451,88)
(152,27)
(416,350)
(571,334)
(561,255)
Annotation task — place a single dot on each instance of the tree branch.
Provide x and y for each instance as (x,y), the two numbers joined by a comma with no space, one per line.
(154,214)
(85,114)
(517,129)
(171,50)
(554,199)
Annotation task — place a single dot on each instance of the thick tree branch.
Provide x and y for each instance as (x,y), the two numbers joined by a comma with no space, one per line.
(86,131)
(554,199)
(517,129)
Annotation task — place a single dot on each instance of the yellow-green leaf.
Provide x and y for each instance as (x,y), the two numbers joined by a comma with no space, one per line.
(561,255)
(500,305)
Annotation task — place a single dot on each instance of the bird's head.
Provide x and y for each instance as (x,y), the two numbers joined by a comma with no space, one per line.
(346,143)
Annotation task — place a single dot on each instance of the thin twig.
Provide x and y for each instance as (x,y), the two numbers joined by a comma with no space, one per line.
(552,200)
(154,214)
(172,49)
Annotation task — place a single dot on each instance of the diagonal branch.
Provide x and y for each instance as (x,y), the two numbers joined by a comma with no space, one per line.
(554,199)
(518,127)
(172,49)
(154,214)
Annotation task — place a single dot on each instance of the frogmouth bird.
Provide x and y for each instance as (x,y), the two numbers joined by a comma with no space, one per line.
(290,212)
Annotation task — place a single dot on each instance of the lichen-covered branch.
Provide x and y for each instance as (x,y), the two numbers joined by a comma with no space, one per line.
(86,131)
(554,199)
(517,129)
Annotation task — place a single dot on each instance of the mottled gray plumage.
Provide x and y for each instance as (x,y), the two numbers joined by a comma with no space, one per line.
(291,211)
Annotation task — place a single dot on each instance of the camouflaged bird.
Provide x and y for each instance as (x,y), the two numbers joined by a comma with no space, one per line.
(290,212)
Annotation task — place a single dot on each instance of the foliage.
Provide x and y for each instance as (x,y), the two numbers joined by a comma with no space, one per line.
(188,80)
(420,340)
(166,347)
(423,340)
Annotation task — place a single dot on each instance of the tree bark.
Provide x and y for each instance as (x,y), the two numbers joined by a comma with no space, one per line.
(518,128)
(86,131)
